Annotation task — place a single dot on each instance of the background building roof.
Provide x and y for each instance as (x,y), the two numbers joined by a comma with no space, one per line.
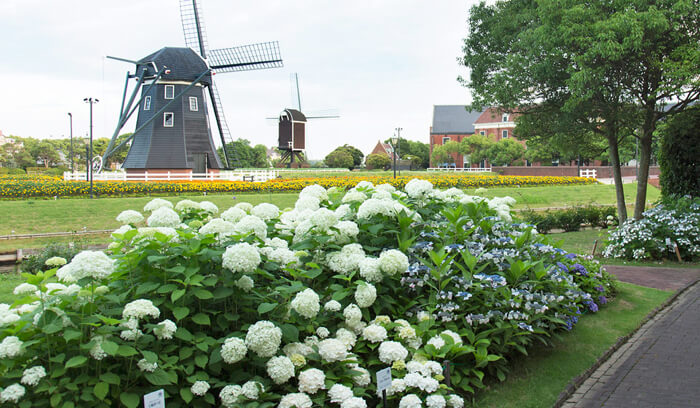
(453,119)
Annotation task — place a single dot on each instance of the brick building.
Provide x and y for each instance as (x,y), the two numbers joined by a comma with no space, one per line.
(455,122)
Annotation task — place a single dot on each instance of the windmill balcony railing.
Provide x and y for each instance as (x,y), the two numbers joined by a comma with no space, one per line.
(257,175)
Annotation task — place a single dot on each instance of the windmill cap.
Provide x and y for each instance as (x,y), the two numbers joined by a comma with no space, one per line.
(182,64)
(292,114)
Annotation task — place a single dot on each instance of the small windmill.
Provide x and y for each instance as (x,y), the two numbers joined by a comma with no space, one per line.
(292,129)
(172,126)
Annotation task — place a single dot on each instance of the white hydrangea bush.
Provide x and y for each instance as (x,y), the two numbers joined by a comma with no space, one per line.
(257,306)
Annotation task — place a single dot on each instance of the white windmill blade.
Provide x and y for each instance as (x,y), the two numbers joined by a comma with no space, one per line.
(193,26)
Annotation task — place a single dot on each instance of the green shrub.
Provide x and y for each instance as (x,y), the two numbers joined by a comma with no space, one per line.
(679,153)
(12,170)
(571,218)
(36,263)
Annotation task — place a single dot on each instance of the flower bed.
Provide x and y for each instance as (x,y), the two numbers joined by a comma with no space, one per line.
(262,308)
(49,187)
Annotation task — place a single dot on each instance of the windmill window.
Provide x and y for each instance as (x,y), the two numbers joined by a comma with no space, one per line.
(169,91)
(193,104)
(168,119)
(505,134)
(147,103)
(445,139)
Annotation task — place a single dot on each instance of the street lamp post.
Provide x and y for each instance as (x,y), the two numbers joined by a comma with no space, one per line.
(394,140)
(72,167)
(91,101)
(398,144)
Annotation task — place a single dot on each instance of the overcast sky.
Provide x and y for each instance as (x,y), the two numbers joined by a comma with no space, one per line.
(380,64)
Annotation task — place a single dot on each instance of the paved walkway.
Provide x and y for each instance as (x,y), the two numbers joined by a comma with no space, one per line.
(660,365)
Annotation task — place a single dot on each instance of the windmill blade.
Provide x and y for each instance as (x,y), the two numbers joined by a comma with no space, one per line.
(246,57)
(231,155)
(122,59)
(296,95)
(193,26)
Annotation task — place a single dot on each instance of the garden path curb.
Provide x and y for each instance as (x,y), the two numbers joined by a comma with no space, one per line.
(577,382)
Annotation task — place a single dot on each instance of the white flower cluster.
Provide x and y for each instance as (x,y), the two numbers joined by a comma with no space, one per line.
(306,303)
(251,224)
(340,393)
(295,400)
(241,257)
(370,269)
(346,260)
(56,261)
(365,294)
(312,380)
(315,191)
(502,206)
(374,333)
(393,262)
(145,366)
(208,207)
(187,205)
(24,289)
(200,388)
(163,217)
(12,393)
(265,211)
(139,309)
(417,188)
(165,330)
(323,219)
(233,215)
(233,350)
(332,350)
(130,217)
(390,351)
(11,347)
(280,369)
(157,203)
(87,264)
(31,376)
(219,227)
(264,338)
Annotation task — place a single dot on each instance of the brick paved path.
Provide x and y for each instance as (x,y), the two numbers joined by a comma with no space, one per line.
(660,365)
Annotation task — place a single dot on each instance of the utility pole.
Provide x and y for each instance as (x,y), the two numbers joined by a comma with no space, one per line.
(91,101)
(393,141)
(398,145)
(72,167)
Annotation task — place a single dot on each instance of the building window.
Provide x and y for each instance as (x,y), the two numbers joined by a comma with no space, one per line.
(505,117)
(169,91)
(505,134)
(482,133)
(445,139)
(147,103)
(193,104)
(168,119)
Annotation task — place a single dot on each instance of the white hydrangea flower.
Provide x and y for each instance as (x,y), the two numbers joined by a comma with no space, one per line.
(435,401)
(315,191)
(24,289)
(332,306)
(157,203)
(306,303)
(280,369)
(364,184)
(343,211)
(129,217)
(354,196)
(245,283)
(233,214)
(416,380)
(346,231)
(132,331)
(385,187)
(246,207)
(437,342)
(165,329)
(145,366)
(209,207)
(346,337)
(347,259)
(233,350)
(218,227)
(186,205)
(332,350)
(295,400)
(374,206)
(163,217)
(393,262)
(374,333)
(340,393)
(312,380)
(140,308)
(322,332)
(121,231)
(11,347)
(354,402)
(252,224)
(365,294)
(32,376)
(282,256)
(323,219)
(199,388)
(265,211)
(12,393)
(252,390)
(363,379)
(241,257)
(370,269)
(307,203)
(96,351)
(398,386)
(150,232)
(264,338)
(229,395)
(382,195)
(92,264)
(352,313)
(410,401)
(418,188)
(56,261)
(455,401)
(297,348)
(390,351)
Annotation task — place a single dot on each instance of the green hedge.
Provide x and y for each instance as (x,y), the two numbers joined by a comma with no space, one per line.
(571,219)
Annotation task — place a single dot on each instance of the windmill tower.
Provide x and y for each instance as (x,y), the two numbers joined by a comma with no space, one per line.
(292,130)
(173,129)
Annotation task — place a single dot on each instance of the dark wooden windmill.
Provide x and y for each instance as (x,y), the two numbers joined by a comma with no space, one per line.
(292,130)
(172,126)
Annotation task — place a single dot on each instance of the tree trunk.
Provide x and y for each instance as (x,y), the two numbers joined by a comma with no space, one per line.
(617,175)
(643,175)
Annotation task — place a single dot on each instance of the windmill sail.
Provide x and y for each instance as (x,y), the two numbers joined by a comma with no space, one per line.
(193,26)
(230,153)
(246,57)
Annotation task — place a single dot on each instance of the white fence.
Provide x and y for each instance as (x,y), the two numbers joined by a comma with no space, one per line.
(226,175)
(588,173)
(462,169)
(306,170)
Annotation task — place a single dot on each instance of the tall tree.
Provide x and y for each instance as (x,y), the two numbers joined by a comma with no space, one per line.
(607,67)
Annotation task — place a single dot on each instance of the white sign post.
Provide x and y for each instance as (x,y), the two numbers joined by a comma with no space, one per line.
(156,399)
(384,382)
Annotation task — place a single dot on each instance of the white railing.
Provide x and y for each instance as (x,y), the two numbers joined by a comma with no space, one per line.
(588,173)
(155,175)
(467,169)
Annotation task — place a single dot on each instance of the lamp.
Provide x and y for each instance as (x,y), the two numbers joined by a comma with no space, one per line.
(394,140)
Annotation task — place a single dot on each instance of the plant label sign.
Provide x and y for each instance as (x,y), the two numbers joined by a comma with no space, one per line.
(384,379)
(156,399)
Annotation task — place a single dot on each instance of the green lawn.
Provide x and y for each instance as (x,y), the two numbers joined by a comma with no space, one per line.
(536,380)
(8,281)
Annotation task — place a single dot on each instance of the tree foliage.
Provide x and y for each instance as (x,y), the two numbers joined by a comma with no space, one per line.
(339,158)
(378,161)
(247,155)
(680,151)
(414,148)
(505,152)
